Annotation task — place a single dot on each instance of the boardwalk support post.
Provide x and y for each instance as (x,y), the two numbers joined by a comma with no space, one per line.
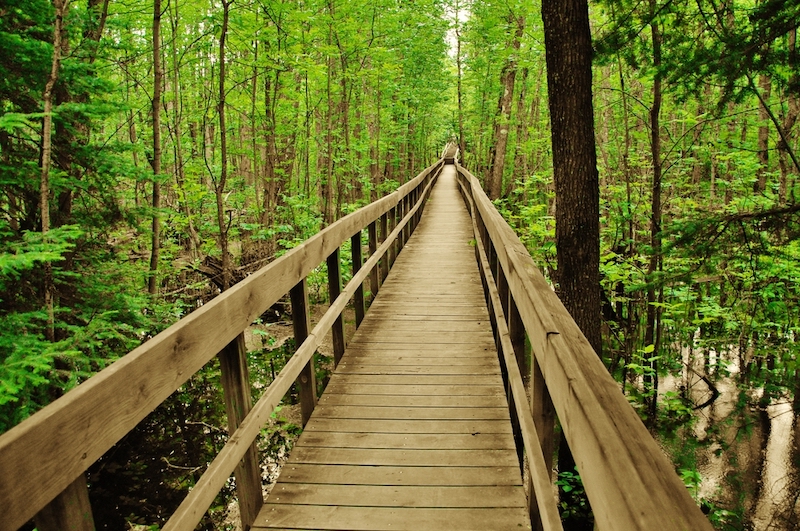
(385,260)
(236,391)
(306,381)
(69,510)
(373,247)
(334,289)
(358,298)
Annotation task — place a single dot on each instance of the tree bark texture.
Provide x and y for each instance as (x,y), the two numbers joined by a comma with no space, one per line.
(651,333)
(223,147)
(568,54)
(44,185)
(504,104)
(158,80)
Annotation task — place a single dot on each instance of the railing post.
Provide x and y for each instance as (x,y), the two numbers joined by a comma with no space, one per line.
(236,392)
(503,293)
(502,287)
(392,224)
(358,297)
(401,213)
(516,330)
(306,381)
(373,248)
(334,289)
(69,510)
(543,413)
(385,260)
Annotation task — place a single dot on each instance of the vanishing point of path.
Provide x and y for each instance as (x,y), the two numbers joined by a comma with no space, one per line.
(413,430)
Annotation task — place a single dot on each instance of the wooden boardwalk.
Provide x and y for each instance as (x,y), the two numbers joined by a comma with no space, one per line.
(413,430)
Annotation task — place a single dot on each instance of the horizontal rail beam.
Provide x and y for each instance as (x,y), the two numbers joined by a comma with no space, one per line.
(542,487)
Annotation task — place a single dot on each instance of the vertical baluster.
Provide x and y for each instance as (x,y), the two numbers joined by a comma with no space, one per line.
(235,380)
(392,225)
(516,330)
(373,247)
(334,289)
(306,381)
(409,206)
(385,260)
(401,213)
(358,297)
(542,411)
(502,287)
(69,510)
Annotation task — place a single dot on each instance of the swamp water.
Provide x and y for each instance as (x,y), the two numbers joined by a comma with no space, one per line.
(747,457)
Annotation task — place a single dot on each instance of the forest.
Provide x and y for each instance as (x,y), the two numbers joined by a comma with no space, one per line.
(155,152)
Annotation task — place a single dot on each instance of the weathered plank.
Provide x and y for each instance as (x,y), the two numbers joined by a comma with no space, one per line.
(371,518)
(424,379)
(402,457)
(397,475)
(333,399)
(409,425)
(342,386)
(363,368)
(420,413)
(469,496)
(388,358)
(415,441)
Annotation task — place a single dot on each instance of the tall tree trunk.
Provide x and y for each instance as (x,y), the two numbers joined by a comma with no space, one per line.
(329,185)
(158,79)
(72,136)
(520,153)
(765,84)
(568,53)
(569,78)
(507,77)
(219,189)
(653,313)
(177,117)
(789,120)
(374,129)
(44,185)
(254,124)
(461,146)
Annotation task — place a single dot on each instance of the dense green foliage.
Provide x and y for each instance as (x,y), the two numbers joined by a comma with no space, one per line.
(328,105)
(331,103)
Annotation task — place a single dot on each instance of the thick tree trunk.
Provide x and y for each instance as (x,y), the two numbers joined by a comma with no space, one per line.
(503,119)
(44,185)
(158,79)
(569,77)
(568,53)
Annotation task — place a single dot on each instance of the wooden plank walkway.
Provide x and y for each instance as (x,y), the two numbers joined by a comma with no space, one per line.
(413,430)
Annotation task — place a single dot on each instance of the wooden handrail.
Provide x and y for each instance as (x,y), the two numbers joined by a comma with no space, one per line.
(630,482)
(41,457)
(542,505)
